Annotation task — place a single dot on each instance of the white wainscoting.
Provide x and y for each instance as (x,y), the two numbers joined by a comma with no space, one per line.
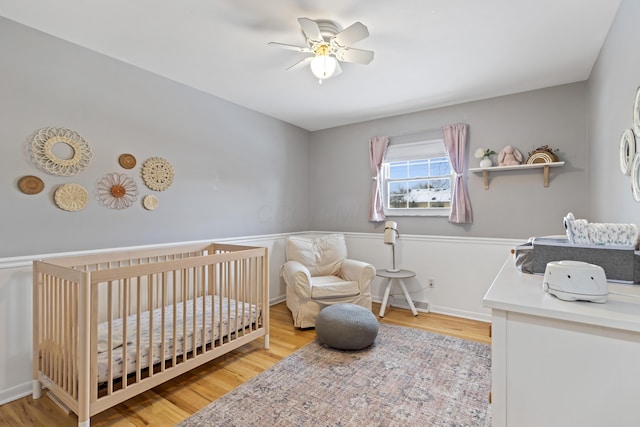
(462,270)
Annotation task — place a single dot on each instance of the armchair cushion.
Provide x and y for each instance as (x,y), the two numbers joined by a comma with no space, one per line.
(332,287)
(322,255)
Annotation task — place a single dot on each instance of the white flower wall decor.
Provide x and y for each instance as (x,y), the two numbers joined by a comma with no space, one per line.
(116,191)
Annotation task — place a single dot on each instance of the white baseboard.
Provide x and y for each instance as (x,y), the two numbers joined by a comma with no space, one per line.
(481,317)
(426,307)
(277,300)
(15,393)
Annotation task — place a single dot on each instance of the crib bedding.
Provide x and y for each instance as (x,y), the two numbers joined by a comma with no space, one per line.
(236,315)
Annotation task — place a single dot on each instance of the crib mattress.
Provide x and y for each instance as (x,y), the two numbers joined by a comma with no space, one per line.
(236,315)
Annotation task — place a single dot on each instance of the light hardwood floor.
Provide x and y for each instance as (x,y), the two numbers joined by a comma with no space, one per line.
(175,400)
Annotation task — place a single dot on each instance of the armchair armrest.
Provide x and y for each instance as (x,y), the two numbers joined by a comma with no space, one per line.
(359,271)
(297,277)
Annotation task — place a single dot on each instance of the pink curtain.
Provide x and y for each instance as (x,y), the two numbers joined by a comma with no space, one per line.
(455,141)
(377,149)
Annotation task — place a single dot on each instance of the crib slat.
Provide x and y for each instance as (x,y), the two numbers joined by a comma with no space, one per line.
(93,350)
(221,281)
(228,283)
(185,298)
(84,341)
(66,383)
(150,308)
(194,335)
(163,304)
(125,332)
(110,336)
(174,353)
(138,331)
(74,342)
(203,294)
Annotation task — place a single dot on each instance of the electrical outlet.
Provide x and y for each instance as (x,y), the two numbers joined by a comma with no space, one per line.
(431,283)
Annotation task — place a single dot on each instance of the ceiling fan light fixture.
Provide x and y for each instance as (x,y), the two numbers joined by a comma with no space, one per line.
(323,65)
(330,45)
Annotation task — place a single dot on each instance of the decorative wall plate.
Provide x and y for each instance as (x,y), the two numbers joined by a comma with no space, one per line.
(157,173)
(127,161)
(636,114)
(635,177)
(627,151)
(150,202)
(71,197)
(116,191)
(42,145)
(30,184)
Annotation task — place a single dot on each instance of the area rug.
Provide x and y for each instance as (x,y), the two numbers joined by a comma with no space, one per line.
(409,377)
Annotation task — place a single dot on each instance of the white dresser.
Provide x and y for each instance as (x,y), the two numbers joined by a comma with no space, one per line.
(559,363)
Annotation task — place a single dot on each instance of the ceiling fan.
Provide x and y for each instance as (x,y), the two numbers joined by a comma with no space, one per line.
(328,46)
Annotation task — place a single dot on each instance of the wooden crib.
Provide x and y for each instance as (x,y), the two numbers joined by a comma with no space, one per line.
(109,326)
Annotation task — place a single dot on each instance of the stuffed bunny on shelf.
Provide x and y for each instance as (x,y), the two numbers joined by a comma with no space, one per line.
(509,156)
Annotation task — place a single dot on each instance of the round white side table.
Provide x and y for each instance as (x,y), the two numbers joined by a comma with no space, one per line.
(398,276)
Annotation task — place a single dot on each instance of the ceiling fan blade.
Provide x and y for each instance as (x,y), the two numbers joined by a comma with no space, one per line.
(301,64)
(290,47)
(350,35)
(310,29)
(357,56)
(337,71)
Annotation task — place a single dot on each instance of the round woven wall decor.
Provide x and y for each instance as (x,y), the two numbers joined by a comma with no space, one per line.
(150,202)
(30,184)
(627,151)
(127,161)
(42,145)
(116,191)
(71,197)
(157,173)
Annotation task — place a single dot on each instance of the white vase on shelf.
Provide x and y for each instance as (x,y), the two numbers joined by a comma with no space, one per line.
(486,162)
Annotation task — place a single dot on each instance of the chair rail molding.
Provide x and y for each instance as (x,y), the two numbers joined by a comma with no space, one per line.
(461,269)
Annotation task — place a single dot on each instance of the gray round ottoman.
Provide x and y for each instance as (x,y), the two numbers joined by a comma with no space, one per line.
(346,327)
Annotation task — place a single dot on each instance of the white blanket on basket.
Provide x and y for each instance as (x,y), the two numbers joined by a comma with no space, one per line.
(236,314)
(583,232)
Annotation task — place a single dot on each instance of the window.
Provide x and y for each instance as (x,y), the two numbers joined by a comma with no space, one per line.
(417,179)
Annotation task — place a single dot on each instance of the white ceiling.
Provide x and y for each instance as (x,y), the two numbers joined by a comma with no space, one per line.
(428,53)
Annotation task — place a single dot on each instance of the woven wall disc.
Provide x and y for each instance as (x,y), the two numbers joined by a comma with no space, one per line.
(42,151)
(71,197)
(127,161)
(150,202)
(627,151)
(30,184)
(157,173)
(636,113)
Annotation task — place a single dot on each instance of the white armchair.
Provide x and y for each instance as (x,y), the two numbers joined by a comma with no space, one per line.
(318,273)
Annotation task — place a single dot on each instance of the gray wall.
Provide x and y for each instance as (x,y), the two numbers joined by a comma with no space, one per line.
(240,173)
(612,88)
(516,204)
(237,172)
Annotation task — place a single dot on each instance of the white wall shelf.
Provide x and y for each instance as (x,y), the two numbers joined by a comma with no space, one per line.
(544,166)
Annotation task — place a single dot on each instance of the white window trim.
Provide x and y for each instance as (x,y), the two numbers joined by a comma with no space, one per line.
(413,151)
